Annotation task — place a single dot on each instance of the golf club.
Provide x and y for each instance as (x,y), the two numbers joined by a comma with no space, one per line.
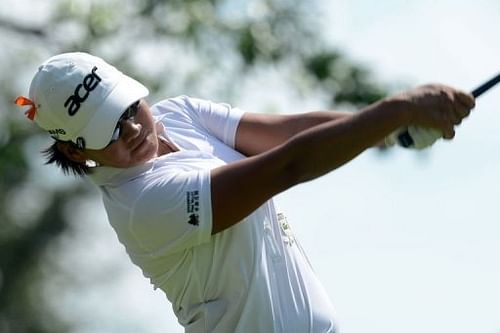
(406,140)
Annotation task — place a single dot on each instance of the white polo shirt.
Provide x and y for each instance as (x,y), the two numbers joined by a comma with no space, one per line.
(252,277)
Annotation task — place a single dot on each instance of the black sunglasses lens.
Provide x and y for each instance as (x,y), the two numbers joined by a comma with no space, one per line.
(129,113)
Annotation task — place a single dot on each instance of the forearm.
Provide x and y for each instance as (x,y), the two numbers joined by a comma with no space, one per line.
(260,132)
(308,120)
(297,123)
(329,145)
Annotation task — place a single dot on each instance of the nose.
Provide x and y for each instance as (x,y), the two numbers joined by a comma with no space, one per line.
(130,130)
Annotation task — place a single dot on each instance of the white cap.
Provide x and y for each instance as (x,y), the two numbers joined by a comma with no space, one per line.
(79,97)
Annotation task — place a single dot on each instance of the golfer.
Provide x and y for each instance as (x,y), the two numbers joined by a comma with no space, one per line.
(188,185)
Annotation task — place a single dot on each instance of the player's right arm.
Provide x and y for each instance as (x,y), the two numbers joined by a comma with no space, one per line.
(239,188)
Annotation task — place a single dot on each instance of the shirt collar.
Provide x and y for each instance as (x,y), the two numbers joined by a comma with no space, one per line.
(104,175)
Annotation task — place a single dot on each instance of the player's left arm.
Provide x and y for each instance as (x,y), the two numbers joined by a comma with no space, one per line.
(259,132)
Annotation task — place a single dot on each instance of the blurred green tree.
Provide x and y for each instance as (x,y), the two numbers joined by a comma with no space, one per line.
(199,47)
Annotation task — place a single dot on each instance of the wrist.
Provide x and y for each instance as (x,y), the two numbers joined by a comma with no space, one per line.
(402,113)
(402,110)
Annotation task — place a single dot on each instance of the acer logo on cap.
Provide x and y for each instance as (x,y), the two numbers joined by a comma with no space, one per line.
(90,82)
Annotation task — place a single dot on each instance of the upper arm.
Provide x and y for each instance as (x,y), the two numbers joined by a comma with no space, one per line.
(172,211)
(241,187)
(219,119)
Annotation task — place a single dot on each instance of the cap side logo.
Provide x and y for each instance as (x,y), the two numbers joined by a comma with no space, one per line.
(56,133)
(90,82)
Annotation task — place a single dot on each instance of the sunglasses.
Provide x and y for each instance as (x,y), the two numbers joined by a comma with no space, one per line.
(129,113)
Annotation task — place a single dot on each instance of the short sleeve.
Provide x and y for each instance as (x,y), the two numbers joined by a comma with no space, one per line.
(220,119)
(173,212)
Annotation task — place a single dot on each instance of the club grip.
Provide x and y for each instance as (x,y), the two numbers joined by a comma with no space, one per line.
(405,139)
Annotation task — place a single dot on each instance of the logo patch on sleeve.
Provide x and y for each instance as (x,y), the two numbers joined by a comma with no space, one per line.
(193,206)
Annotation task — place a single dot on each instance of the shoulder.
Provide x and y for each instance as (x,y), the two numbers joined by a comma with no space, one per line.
(181,108)
(161,183)
(188,104)
(178,103)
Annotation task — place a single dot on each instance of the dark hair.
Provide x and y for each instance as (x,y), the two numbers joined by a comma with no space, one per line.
(54,155)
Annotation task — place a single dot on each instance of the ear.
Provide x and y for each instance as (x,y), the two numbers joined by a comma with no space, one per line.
(71,152)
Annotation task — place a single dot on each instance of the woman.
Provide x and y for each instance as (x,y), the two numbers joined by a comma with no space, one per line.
(188,184)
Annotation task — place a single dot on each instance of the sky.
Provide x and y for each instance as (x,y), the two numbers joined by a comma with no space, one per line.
(403,242)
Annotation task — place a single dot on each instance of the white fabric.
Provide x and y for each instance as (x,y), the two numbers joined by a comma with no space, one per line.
(422,137)
(251,277)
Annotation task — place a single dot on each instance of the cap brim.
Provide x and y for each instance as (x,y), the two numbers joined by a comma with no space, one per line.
(98,132)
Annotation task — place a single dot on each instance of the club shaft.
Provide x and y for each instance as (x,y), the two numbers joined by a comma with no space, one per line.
(485,86)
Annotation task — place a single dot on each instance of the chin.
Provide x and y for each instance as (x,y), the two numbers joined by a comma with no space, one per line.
(144,154)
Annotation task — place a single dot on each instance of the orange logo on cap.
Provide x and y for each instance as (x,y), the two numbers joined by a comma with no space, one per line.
(21,101)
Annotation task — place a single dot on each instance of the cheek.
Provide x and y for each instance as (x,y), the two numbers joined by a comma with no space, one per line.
(149,125)
(147,151)
(119,156)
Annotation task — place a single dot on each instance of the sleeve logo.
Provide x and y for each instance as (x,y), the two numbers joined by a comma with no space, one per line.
(193,206)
